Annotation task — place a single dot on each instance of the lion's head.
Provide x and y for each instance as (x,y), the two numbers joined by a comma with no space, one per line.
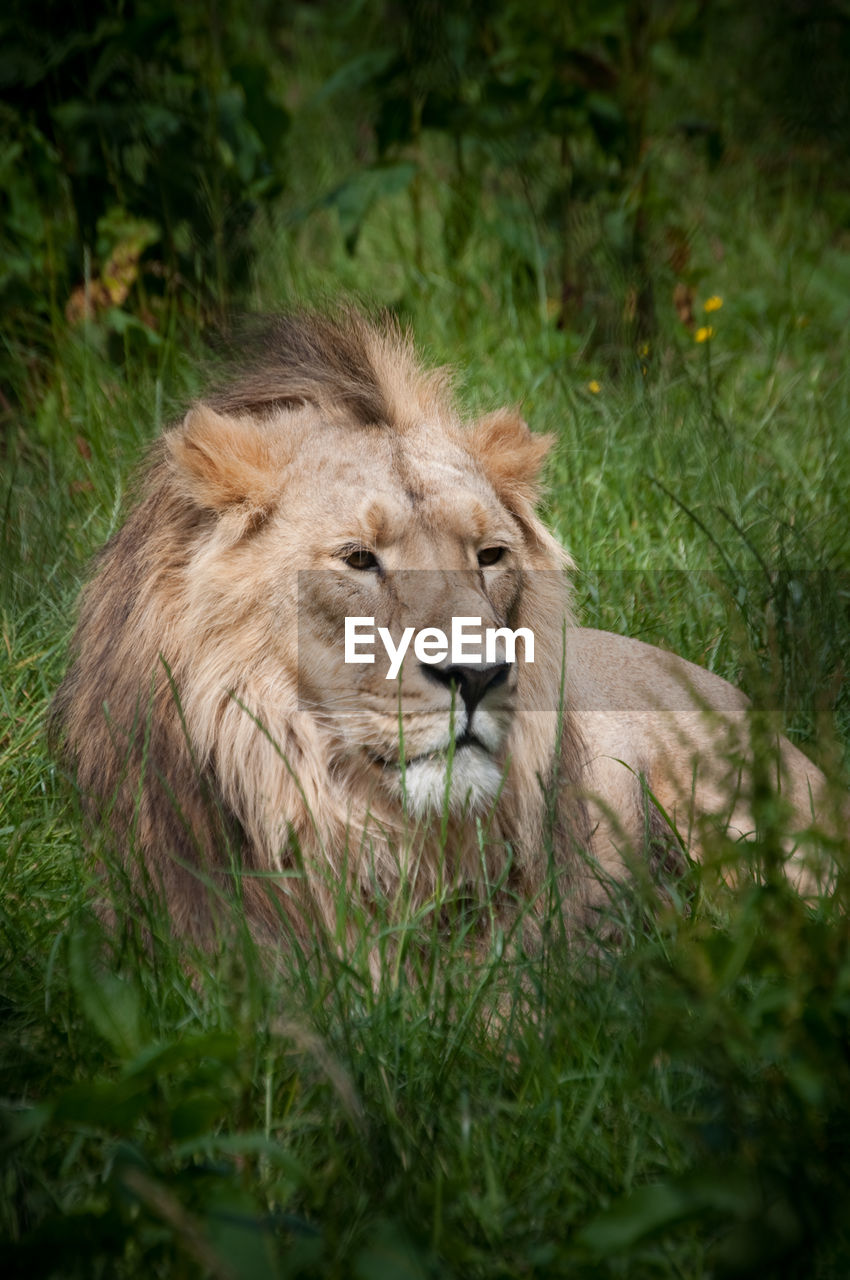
(209,707)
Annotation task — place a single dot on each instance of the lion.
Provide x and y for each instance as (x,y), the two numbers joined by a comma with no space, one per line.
(212,724)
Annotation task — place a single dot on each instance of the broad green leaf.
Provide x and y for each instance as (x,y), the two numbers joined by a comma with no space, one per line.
(111,1004)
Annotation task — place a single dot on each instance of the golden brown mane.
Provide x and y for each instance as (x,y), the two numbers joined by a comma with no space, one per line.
(184,729)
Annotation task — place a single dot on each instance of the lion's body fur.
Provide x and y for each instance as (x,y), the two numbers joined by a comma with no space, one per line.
(193,731)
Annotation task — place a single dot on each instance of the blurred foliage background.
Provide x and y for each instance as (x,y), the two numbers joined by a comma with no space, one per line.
(140,141)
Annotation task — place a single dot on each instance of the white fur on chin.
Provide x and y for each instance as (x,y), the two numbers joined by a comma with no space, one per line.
(475,781)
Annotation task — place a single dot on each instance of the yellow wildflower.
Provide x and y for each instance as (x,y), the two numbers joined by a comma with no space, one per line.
(594,386)
(703,334)
(714,303)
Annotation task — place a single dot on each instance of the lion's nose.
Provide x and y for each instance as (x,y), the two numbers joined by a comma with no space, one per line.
(471,682)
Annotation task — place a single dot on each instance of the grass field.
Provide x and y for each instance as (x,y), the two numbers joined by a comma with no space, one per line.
(677,1108)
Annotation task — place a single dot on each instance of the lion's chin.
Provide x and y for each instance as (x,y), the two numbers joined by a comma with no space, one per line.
(472,786)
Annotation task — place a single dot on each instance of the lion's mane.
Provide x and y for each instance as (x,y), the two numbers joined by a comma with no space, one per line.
(182,724)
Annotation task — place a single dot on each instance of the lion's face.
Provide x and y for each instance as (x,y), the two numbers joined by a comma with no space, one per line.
(408,530)
(394,549)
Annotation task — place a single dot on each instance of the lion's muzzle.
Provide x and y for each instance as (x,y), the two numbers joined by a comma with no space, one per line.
(471,682)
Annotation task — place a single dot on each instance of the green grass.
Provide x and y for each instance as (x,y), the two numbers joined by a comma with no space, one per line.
(676,1108)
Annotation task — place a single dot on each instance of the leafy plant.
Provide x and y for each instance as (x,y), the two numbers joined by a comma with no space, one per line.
(559,97)
(144,131)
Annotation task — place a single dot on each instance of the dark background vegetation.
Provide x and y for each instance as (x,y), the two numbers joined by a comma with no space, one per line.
(139,140)
(550,191)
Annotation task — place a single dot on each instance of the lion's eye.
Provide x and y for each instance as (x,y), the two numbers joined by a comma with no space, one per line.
(490,555)
(360,558)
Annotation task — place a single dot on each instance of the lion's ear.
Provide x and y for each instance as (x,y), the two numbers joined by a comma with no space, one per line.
(511,456)
(222,462)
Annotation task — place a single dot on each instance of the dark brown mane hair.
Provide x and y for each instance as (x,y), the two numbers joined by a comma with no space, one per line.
(308,357)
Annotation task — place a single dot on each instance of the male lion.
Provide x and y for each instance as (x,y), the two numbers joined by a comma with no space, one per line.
(209,716)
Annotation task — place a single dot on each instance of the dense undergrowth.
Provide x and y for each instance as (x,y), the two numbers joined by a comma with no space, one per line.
(675,1107)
